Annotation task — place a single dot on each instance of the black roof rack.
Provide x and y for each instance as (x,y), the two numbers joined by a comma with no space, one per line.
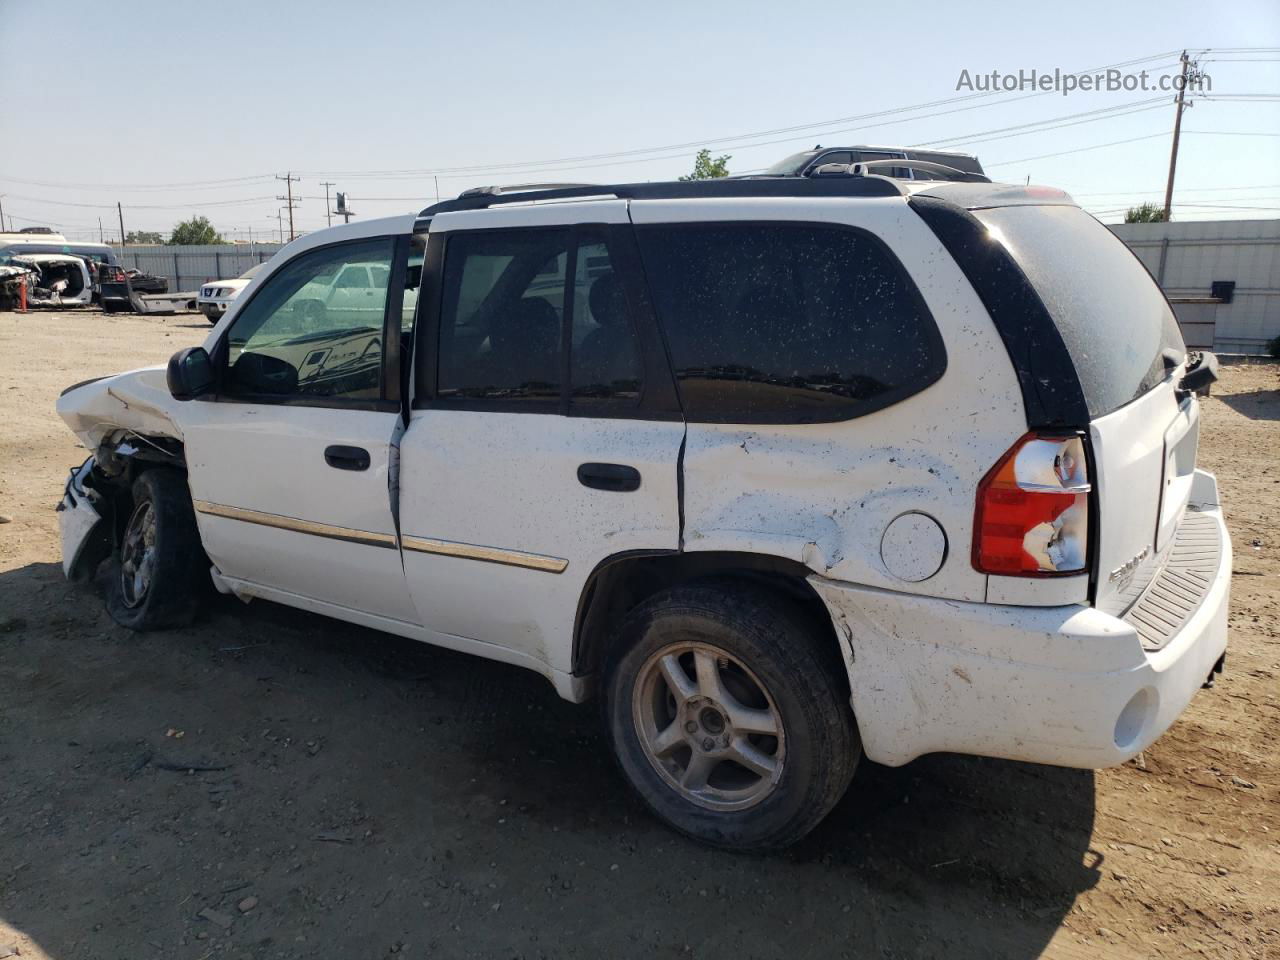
(852,186)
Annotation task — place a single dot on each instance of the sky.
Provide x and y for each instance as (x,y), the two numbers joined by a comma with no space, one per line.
(175,109)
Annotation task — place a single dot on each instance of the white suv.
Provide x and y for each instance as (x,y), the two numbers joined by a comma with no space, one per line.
(785,470)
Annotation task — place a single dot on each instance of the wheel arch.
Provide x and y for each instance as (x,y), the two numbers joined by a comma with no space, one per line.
(621,582)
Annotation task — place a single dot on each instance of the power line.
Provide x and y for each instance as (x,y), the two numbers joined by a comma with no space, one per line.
(1090,116)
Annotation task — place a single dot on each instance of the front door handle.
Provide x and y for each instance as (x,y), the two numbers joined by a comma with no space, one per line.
(617,477)
(347,458)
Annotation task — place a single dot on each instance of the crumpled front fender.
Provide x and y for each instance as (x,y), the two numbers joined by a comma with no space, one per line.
(138,400)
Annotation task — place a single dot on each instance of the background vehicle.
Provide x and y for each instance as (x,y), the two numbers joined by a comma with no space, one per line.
(767,464)
(216,297)
(93,254)
(803,164)
(64,279)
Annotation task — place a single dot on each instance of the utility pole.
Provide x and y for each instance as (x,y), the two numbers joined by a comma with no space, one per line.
(1,214)
(1190,74)
(289,180)
(280,223)
(101,237)
(120,214)
(328,215)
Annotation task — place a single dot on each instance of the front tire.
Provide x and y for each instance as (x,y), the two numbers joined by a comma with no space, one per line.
(728,718)
(156,575)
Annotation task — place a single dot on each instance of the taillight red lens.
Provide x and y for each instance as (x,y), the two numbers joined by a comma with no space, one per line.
(1032,516)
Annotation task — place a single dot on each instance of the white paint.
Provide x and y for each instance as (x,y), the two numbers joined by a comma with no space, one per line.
(913,547)
(880,508)
(1039,684)
(823,494)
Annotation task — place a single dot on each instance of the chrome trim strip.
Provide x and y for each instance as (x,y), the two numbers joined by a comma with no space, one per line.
(366,537)
(469,551)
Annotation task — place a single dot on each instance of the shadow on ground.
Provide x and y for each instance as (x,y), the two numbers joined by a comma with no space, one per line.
(380,797)
(1256,404)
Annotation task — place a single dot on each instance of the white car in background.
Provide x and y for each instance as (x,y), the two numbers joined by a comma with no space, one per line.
(215,297)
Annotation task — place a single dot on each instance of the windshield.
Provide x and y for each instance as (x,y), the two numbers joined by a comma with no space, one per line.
(251,272)
(1113,318)
(790,166)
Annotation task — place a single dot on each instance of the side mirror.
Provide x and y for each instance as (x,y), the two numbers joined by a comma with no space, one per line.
(190,373)
(1200,377)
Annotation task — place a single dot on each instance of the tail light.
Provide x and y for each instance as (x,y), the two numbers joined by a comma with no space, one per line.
(1032,516)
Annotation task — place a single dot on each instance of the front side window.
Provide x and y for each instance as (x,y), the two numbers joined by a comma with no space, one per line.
(315,328)
(788,323)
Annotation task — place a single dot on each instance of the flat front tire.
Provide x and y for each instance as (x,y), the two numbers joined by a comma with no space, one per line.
(728,717)
(158,572)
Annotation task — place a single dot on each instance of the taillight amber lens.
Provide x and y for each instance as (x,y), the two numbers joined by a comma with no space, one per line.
(1032,516)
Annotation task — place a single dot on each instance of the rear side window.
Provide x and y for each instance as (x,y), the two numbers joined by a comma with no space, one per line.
(788,323)
(1113,318)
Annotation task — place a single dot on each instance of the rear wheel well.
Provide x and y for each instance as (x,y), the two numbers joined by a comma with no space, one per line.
(621,583)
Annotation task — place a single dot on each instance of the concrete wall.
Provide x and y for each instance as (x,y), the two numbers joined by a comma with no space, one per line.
(1186,257)
(189,266)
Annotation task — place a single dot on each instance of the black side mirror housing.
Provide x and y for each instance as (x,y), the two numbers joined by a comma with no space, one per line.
(1200,376)
(190,373)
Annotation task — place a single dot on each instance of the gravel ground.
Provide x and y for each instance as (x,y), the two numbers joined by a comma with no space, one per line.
(380,798)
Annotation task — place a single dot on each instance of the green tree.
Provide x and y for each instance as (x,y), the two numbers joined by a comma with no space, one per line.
(1146,213)
(145,236)
(195,230)
(706,168)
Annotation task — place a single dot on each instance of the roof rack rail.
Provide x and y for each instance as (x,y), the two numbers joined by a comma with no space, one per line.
(723,187)
(517,188)
(881,167)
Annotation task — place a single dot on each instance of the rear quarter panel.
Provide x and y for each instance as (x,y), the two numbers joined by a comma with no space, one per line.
(823,494)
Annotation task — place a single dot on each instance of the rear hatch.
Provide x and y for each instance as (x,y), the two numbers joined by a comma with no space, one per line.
(1125,345)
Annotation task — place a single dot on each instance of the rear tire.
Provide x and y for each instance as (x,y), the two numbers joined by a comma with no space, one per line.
(728,718)
(157,575)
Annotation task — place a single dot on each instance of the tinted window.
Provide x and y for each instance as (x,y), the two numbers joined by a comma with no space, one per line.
(500,317)
(311,330)
(1114,320)
(788,322)
(412,281)
(606,353)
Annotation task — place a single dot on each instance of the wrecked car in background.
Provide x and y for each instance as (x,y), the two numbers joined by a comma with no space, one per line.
(56,279)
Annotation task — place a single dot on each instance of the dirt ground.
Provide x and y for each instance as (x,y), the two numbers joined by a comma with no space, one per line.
(384,798)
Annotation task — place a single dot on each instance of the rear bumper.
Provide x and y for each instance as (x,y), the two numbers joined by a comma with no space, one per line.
(1071,685)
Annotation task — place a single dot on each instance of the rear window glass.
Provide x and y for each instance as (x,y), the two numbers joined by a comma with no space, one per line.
(788,323)
(1113,318)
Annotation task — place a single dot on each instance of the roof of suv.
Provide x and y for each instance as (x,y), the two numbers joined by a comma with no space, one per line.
(971,196)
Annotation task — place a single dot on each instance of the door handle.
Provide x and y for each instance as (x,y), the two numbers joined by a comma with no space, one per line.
(617,477)
(347,458)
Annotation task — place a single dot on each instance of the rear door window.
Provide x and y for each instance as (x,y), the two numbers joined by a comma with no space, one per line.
(788,322)
(1115,321)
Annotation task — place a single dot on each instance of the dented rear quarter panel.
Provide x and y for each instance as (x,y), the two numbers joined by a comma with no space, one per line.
(823,494)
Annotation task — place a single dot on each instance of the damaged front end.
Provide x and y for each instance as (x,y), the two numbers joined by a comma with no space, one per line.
(86,534)
(121,418)
(96,499)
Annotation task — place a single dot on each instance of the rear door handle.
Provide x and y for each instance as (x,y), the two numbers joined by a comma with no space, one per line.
(617,477)
(347,458)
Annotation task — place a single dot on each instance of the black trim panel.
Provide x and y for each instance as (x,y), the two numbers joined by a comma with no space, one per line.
(1051,391)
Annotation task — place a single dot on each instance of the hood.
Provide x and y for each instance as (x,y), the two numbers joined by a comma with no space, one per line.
(234,286)
(138,400)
